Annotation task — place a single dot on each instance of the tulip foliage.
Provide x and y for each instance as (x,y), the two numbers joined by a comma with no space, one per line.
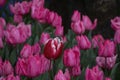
(33,46)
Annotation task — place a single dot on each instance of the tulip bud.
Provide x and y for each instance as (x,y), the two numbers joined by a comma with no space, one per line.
(78,27)
(59,31)
(117,36)
(83,42)
(88,23)
(76,16)
(44,37)
(61,76)
(7,68)
(75,71)
(106,49)
(94,74)
(71,57)
(53,48)
(115,23)
(96,40)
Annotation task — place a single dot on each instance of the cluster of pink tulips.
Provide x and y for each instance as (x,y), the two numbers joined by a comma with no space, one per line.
(33,46)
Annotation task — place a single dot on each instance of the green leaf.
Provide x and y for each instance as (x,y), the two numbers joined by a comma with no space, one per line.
(13,57)
(115,73)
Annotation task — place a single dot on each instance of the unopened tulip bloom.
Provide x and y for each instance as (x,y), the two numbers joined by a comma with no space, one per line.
(53,48)
(88,23)
(11,77)
(75,71)
(96,40)
(44,37)
(7,68)
(76,16)
(50,17)
(71,57)
(36,49)
(57,21)
(26,51)
(18,18)
(106,49)
(83,42)
(15,35)
(94,74)
(2,22)
(117,36)
(115,23)
(33,66)
(78,27)
(20,8)
(46,64)
(59,31)
(21,67)
(60,76)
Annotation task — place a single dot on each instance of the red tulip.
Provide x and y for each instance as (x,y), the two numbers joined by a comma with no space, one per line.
(53,48)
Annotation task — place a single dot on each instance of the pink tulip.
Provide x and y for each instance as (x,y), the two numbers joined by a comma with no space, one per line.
(1,63)
(107,78)
(88,23)
(40,14)
(53,48)
(11,77)
(36,48)
(24,30)
(57,21)
(26,51)
(59,31)
(117,36)
(20,8)
(106,62)
(78,27)
(83,42)
(33,66)
(7,68)
(71,57)
(76,16)
(20,67)
(18,18)
(12,36)
(15,35)
(2,22)
(101,61)
(37,3)
(96,40)
(46,64)
(110,62)
(44,38)
(115,23)
(1,43)
(107,49)
(2,2)
(75,71)
(67,74)
(50,17)
(60,76)
(94,74)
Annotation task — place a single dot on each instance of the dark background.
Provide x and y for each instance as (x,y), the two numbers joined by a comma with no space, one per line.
(103,10)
